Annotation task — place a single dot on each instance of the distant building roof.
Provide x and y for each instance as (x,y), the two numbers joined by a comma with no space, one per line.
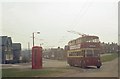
(5,41)
(16,46)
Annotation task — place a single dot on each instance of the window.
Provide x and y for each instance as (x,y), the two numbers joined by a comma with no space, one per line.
(89,53)
(92,53)
(96,53)
(76,54)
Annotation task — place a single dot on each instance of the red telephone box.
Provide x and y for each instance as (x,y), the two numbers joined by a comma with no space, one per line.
(36,57)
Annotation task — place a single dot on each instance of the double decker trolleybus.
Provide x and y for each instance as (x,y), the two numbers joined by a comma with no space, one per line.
(84,51)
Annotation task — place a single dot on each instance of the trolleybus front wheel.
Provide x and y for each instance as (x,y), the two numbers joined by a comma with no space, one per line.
(83,65)
(71,64)
(98,67)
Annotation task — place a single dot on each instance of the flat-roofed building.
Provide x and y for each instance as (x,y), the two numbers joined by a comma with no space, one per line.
(16,52)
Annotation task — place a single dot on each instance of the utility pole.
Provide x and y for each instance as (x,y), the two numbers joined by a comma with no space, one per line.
(29,51)
(33,38)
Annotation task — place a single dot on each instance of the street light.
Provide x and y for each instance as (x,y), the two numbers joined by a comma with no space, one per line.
(41,44)
(34,36)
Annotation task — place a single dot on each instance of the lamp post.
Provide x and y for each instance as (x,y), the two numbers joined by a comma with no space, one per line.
(34,36)
(41,44)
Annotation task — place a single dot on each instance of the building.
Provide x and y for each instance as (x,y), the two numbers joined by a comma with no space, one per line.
(105,47)
(16,52)
(6,46)
(8,50)
(55,53)
(109,47)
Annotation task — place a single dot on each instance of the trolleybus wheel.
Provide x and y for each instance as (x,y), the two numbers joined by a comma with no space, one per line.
(71,64)
(98,66)
(83,64)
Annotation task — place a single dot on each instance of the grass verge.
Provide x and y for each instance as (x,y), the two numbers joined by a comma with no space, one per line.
(30,72)
(109,57)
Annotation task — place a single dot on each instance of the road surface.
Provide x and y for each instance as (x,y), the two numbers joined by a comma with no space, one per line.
(108,69)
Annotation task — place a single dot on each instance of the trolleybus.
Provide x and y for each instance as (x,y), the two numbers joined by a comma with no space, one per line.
(84,51)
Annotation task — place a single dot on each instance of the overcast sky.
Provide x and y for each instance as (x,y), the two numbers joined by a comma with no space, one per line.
(54,18)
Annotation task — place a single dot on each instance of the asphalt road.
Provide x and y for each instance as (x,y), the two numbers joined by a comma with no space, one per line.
(46,63)
(108,69)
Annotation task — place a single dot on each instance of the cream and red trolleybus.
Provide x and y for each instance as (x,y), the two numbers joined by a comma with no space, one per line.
(84,51)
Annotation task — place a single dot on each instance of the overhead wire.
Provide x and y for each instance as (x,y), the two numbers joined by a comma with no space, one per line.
(81,14)
(80,17)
